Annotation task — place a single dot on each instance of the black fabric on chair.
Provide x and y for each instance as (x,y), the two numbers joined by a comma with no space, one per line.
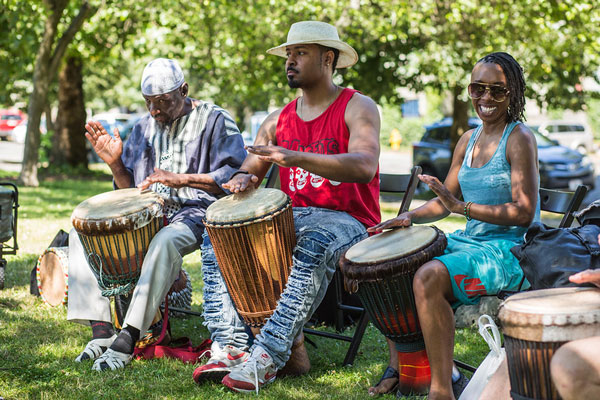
(557,202)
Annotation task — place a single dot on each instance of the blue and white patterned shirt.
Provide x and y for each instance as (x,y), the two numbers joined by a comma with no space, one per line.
(205,141)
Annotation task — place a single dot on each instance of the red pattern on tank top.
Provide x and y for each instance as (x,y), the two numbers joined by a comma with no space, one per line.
(326,134)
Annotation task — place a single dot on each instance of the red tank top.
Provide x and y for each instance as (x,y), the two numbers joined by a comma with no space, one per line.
(326,134)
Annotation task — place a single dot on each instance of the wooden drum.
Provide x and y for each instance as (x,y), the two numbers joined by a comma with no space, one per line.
(115,229)
(253,236)
(535,324)
(52,275)
(380,269)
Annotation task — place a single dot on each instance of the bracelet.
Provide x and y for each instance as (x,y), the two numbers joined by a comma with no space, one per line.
(467,210)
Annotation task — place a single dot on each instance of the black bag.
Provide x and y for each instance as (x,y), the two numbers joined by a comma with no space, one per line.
(60,240)
(550,255)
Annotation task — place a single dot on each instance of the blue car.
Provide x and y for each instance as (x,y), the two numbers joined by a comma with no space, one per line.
(560,167)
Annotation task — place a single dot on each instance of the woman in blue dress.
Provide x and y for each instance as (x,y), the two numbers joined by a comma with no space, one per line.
(493,181)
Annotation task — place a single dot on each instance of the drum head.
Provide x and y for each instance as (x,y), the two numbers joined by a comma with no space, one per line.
(391,244)
(116,211)
(51,275)
(552,315)
(246,206)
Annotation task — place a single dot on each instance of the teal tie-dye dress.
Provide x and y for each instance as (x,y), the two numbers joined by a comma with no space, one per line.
(478,259)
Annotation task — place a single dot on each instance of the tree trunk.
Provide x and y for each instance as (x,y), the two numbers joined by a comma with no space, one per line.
(48,114)
(68,142)
(460,117)
(46,64)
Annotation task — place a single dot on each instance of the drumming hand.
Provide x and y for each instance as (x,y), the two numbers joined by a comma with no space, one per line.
(108,148)
(167,178)
(451,203)
(274,154)
(400,221)
(587,276)
(241,182)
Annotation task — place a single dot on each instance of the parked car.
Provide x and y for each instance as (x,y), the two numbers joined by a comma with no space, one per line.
(574,135)
(255,122)
(123,122)
(560,166)
(20,131)
(9,119)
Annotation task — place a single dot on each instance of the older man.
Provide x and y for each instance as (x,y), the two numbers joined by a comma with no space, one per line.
(185,150)
(326,144)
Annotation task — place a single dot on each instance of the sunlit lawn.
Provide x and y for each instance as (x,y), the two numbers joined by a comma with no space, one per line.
(38,345)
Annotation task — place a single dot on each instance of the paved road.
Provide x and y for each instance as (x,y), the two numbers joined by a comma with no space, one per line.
(11,155)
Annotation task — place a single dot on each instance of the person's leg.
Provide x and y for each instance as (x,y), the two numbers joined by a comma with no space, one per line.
(575,369)
(227,330)
(322,236)
(86,305)
(498,388)
(433,294)
(387,384)
(220,315)
(160,269)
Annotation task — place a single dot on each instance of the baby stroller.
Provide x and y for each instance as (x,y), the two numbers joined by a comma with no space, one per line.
(9,202)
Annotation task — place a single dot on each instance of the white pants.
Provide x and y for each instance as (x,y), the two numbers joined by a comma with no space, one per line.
(159,270)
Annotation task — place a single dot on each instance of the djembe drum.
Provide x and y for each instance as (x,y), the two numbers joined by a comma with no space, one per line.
(52,274)
(115,229)
(380,269)
(535,324)
(253,236)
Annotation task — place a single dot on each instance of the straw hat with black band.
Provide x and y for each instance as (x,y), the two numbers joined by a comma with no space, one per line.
(315,32)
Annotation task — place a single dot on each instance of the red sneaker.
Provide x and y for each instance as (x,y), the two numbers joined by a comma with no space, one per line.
(221,362)
(254,373)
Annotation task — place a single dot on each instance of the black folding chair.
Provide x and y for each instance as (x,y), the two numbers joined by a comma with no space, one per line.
(392,183)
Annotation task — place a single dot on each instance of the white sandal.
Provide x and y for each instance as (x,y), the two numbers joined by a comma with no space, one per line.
(112,359)
(95,348)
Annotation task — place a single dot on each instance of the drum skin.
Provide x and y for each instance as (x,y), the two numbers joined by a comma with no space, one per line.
(535,324)
(115,229)
(253,237)
(52,274)
(381,270)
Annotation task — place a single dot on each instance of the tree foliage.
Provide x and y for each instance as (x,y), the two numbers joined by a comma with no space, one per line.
(221,45)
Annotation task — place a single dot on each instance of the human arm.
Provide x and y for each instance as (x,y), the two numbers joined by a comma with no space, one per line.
(109,149)
(521,153)
(203,182)
(434,209)
(253,169)
(358,164)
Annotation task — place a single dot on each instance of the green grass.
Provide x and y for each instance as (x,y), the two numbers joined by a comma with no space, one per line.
(38,345)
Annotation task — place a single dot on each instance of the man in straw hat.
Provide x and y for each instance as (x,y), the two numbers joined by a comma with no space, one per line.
(326,144)
(183,149)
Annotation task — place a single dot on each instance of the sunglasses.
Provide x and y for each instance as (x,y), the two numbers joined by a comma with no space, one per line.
(498,92)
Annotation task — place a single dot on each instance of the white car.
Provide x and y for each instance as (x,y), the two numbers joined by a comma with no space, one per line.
(576,135)
(18,134)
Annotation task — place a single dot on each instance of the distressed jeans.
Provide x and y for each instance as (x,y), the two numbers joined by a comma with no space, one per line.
(322,236)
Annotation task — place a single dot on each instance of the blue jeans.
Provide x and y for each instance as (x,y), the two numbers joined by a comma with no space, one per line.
(322,236)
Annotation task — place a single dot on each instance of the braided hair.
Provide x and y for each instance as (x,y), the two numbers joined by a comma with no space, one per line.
(515,82)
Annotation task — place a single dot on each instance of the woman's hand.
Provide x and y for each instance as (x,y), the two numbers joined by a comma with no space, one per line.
(451,203)
(401,221)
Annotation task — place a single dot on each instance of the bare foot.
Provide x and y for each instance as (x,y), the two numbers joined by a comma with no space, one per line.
(387,383)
